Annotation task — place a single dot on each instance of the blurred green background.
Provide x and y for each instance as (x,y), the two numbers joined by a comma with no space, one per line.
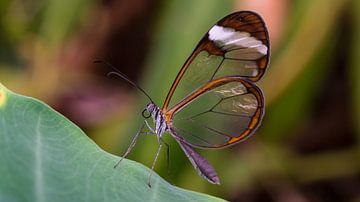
(307,148)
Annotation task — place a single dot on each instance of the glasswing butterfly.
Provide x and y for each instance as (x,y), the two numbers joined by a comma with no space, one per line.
(213,102)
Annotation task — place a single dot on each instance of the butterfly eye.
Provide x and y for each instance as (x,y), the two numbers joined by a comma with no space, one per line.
(145,113)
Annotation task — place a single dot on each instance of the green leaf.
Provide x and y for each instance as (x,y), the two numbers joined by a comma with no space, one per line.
(45,157)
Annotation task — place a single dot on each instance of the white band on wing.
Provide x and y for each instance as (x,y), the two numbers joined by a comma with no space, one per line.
(228,38)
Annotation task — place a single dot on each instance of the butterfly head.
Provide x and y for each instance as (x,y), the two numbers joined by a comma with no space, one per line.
(150,110)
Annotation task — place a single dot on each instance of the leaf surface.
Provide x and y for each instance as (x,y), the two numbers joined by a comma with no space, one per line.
(45,157)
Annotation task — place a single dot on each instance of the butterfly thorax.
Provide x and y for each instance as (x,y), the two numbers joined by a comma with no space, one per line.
(158,118)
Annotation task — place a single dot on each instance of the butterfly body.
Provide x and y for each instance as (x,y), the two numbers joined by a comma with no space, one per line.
(160,125)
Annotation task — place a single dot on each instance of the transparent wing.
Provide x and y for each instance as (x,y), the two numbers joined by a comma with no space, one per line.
(237,45)
(220,113)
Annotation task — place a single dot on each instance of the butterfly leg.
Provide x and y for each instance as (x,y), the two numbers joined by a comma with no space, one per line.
(132,144)
(153,165)
(149,127)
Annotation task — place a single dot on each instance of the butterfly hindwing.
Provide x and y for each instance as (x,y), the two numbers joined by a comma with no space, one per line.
(220,113)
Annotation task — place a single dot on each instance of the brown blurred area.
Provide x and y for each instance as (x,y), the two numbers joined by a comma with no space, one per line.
(307,148)
(119,33)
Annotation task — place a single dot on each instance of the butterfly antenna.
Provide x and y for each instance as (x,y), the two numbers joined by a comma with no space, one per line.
(123,76)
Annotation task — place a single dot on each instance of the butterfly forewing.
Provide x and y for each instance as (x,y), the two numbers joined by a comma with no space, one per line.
(219,113)
(237,45)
